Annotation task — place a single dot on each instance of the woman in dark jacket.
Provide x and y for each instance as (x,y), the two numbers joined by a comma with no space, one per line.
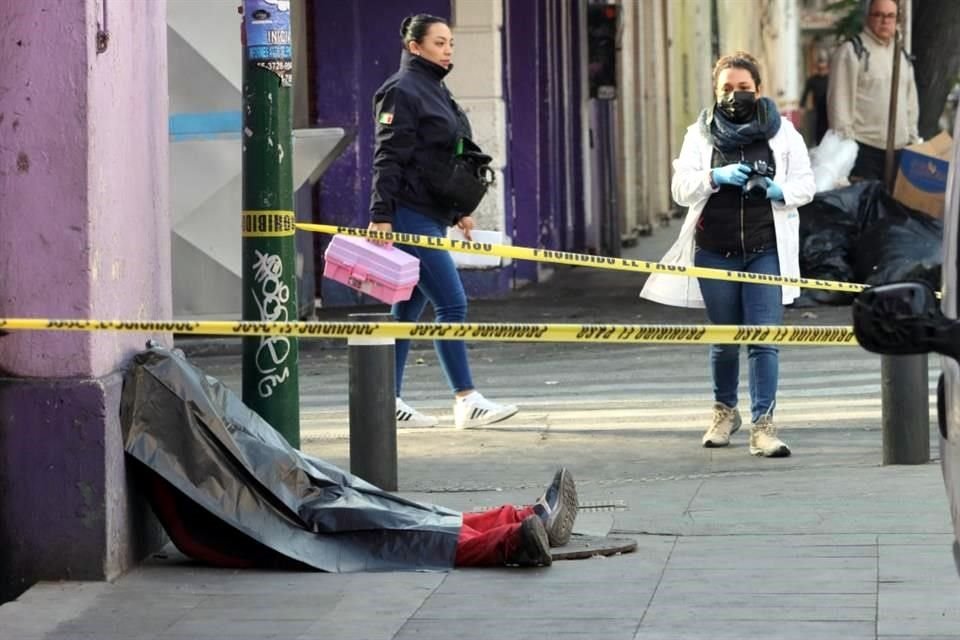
(419,125)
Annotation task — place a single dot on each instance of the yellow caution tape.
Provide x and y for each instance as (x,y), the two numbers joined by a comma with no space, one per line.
(583,259)
(609,333)
(267,224)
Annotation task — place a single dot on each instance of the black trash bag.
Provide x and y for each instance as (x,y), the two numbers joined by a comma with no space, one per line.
(829,226)
(862,234)
(903,246)
(217,472)
(852,199)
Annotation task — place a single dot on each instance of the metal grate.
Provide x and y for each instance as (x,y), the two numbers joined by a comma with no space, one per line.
(592,506)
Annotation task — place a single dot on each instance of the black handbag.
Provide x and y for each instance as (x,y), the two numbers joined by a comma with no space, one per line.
(461,182)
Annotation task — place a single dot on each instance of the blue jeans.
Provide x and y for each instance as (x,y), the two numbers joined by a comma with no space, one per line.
(440,285)
(750,304)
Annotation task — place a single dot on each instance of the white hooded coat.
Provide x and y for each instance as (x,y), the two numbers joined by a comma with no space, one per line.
(691,188)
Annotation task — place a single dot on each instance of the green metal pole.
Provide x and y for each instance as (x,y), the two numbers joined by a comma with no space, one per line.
(270,377)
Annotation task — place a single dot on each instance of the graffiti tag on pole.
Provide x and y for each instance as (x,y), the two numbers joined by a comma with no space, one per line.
(271,301)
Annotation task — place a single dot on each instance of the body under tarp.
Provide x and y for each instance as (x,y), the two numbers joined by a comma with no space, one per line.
(190,431)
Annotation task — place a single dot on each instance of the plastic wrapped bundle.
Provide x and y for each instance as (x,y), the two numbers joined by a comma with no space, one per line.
(832,161)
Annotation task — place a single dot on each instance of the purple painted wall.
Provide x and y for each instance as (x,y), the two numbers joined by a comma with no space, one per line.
(98,240)
(544,164)
(573,126)
(523,60)
(43,178)
(64,490)
(128,183)
(83,208)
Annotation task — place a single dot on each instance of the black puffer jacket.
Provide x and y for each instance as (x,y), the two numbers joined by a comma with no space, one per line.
(731,223)
(418,125)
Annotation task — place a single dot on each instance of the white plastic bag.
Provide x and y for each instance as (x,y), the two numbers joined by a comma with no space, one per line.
(832,161)
(475,260)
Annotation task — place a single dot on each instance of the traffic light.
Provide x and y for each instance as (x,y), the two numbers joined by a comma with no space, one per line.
(603,21)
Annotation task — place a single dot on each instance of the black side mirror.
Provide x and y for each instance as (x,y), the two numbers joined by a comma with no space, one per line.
(904,318)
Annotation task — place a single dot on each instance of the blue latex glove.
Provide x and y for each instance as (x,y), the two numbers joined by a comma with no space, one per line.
(735,174)
(774,192)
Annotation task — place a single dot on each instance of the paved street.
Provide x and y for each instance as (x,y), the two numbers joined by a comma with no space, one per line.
(825,544)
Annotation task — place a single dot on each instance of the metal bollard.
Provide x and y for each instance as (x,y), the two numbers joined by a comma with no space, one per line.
(905,392)
(373,422)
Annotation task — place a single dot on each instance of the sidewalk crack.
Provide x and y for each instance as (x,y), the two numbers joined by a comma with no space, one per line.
(688,510)
(656,588)
(422,604)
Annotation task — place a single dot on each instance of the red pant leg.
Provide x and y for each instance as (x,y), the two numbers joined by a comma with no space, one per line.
(507,514)
(488,537)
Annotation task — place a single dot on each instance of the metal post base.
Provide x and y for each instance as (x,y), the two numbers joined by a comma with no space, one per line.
(373,424)
(906,409)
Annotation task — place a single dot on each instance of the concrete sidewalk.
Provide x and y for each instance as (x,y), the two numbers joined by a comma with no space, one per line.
(729,547)
(825,544)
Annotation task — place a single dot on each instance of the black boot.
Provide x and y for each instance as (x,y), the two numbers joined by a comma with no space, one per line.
(533,548)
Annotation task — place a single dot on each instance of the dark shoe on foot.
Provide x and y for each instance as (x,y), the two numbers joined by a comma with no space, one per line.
(557,508)
(533,548)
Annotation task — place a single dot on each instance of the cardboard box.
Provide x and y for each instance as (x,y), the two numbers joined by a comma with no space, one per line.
(922,178)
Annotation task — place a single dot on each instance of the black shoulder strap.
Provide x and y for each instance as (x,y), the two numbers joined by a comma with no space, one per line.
(858,48)
(861,51)
(862,54)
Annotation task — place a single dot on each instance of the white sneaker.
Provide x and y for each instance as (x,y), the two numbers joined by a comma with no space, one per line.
(474,410)
(408,417)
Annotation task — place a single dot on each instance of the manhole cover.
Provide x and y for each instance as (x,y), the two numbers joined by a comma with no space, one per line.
(582,546)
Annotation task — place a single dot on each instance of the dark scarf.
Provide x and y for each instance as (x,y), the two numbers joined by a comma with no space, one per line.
(728,136)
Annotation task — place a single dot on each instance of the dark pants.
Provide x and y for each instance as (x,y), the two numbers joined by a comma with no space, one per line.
(871,162)
(821,124)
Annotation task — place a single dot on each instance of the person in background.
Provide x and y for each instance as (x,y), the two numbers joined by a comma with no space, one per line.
(419,124)
(816,88)
(739,218)
(858,93)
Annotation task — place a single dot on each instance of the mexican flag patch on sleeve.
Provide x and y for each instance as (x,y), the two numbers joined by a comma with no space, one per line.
(386,118)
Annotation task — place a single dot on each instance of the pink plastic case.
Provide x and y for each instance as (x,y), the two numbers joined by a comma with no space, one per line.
(387,274)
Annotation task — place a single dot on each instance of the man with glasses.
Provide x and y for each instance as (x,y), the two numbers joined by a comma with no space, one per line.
(858,96)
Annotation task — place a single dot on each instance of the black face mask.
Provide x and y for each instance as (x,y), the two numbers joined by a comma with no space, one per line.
(738,106)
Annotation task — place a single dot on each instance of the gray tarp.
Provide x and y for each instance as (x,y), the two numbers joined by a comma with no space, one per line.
(197,435)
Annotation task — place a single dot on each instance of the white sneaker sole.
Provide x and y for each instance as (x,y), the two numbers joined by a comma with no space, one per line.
(418,423)
(490,418)
(560,523)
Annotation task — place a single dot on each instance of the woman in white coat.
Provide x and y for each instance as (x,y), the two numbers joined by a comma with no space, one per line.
(742,172)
